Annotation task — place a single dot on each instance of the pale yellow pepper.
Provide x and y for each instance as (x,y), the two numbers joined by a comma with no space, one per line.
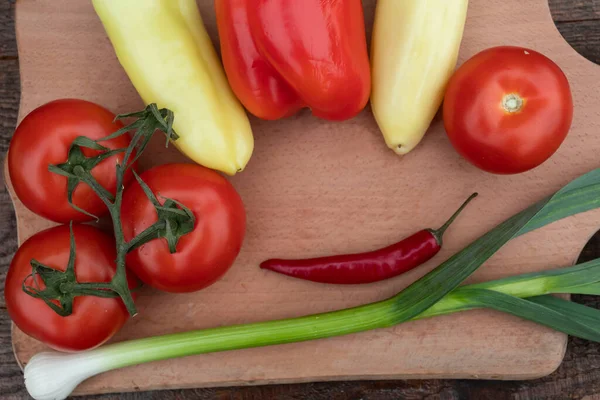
(170,59)
(414,51)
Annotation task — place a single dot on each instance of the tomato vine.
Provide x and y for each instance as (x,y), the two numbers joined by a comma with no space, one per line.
(174,219)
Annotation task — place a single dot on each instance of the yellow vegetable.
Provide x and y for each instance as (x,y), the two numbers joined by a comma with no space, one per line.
(414,52)
(166,52)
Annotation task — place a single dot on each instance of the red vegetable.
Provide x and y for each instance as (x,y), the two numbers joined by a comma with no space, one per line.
(373,266)
(93,320)
(210,247)
(508,109)
(281,56)
(43,138)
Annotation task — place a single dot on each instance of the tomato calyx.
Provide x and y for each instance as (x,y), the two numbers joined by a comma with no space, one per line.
(61,286)
(78,169)
(174,221)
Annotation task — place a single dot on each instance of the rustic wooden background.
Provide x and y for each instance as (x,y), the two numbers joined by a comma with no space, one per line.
(577,378)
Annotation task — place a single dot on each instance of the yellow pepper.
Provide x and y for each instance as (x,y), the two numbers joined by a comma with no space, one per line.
(169,57)
(414,51)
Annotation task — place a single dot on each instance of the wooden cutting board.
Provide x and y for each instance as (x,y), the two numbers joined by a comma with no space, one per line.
(315,188)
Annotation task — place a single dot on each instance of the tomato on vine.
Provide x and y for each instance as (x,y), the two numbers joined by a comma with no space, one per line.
(51,314)
(206,245)
(69,287)
(44,138)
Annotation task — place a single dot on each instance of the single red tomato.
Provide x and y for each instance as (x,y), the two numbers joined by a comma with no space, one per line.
(94,320)
(43,138)
(203,255)
(508,109)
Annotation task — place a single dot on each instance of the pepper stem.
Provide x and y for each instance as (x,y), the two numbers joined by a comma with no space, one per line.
(439,233)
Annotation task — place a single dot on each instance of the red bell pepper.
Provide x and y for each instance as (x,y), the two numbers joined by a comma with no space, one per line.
(281,56)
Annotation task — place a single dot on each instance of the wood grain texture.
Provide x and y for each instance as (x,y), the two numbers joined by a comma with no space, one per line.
(8,45)
(9,106)
(584,36)
(576,378)
(575,11)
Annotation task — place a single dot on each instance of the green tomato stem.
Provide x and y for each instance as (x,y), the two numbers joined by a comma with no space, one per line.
(77,170)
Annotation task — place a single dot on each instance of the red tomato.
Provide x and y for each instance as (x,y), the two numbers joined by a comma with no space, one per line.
(44,138)
(94,320)
(203,255)
(508,109)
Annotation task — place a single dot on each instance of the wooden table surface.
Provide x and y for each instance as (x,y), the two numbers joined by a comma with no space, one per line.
(577,378)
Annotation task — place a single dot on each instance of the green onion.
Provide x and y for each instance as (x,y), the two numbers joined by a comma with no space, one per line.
(590,316)
(567,323)
(580,279)
(582,194)
(55,375)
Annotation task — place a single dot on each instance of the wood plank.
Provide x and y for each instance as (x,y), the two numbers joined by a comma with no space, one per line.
(575,10)
(9,105)
(11,377)
(9,100)
(8,46)
(584,37)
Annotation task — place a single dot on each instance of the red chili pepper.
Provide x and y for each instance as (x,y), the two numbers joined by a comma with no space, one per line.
(372,266)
